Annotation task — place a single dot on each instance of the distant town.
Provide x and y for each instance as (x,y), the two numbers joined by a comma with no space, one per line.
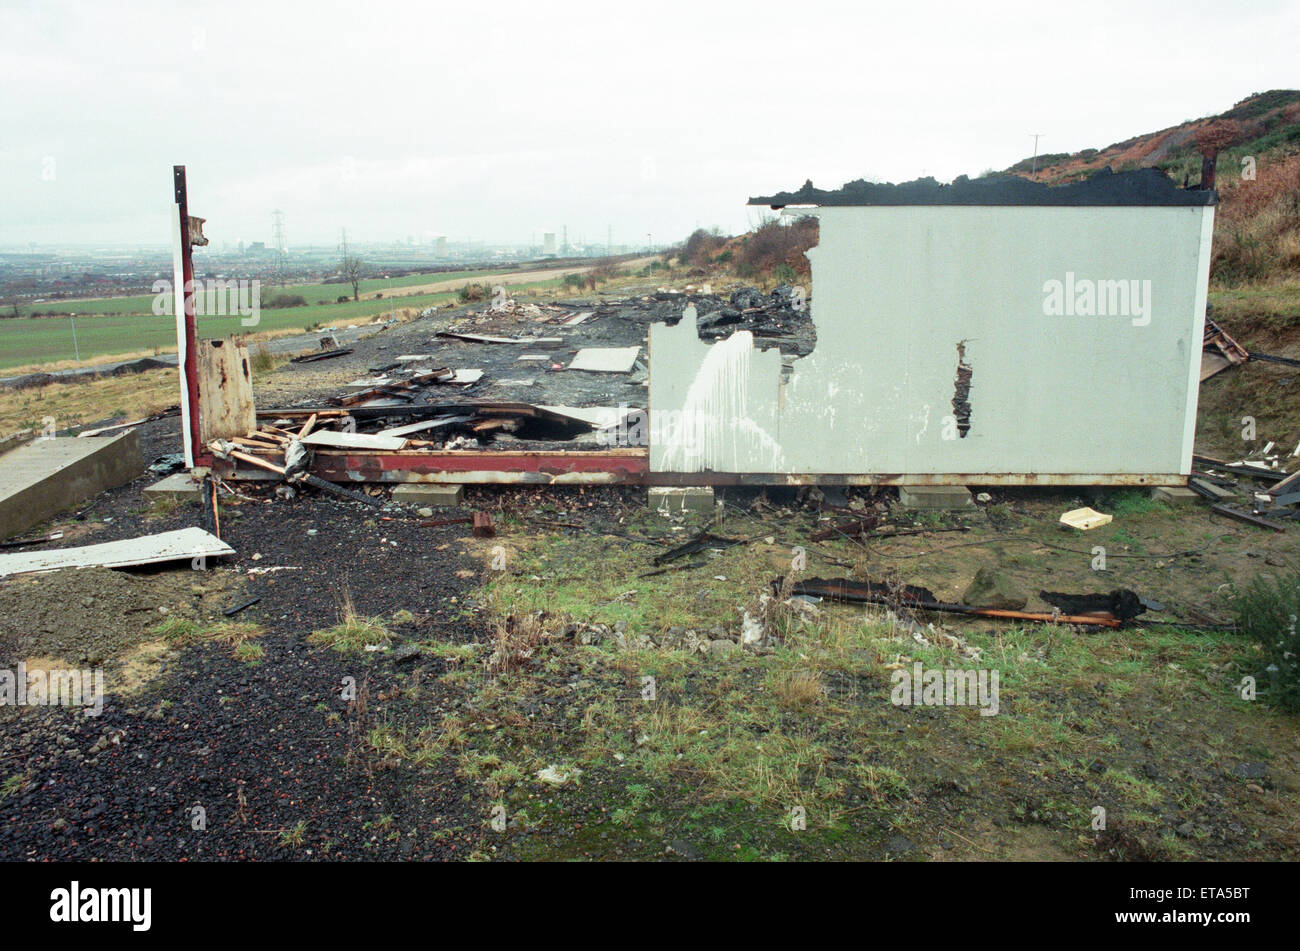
(40,274)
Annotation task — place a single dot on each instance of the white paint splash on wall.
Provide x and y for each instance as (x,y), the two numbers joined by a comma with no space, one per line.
(715,427)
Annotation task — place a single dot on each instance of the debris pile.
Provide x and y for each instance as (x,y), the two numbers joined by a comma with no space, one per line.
(1271,492)
(782,314)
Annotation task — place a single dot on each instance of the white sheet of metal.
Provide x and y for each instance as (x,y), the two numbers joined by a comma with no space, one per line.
(606,359)
(332,439)
(184,543)
(1081,327)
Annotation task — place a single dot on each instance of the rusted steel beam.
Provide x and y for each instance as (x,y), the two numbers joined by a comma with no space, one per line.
(609,468)
(618,466)
(632,467)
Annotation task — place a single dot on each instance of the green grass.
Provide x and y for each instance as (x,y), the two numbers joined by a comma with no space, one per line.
(353,633)
(13,784)
(313,293)
(183,632)
(33,340)
(295,836)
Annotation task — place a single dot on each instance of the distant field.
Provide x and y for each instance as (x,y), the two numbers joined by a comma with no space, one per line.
(313,293)
(33,340)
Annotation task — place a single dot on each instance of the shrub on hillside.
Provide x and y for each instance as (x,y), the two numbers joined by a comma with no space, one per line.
(1267,613)
(472,293)
(775,243)
(1257,231)
(701,246)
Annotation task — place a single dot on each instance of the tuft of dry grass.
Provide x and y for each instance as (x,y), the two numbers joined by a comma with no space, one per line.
(1257,231)
(353,632)
(261,359)
(77,404)
(797,689)
(515,639)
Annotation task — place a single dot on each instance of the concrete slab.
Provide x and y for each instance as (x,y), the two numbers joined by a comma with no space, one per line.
(50,475)
(676,500)
(1174,494)
(921,498)
(420,493)
(177,487)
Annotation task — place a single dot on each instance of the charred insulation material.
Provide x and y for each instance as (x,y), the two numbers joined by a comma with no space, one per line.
(961,396)
(1143,187)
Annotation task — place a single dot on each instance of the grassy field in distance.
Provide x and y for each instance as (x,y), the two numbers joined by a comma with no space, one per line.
(25,341)
(312,293)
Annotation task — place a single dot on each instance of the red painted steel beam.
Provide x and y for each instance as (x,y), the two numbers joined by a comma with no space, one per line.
(615,467)
(201,456)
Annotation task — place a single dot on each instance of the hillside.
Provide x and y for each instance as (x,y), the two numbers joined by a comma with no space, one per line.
(1257,142)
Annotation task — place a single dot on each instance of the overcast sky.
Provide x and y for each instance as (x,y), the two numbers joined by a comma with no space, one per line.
(498,121)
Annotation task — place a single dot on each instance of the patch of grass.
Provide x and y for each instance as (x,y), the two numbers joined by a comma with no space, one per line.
(261,359)
(162,507)
(1132,503)
(515,639)
(423,747)
(1140,791)
(184,632)
(353,633)
(452,654)
(178,630)
(295,836)
(78,404)
(250,653)
(14,784)
(796,689)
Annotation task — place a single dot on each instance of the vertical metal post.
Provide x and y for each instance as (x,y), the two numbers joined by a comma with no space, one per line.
(186,327)
(76,349)
(1033,174)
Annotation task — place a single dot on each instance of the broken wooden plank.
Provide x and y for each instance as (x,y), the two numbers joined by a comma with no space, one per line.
(424,426)
(330,439)
(225,388)
(1243,516)
(1288,484)
(1213,363)
(1237,468)
(182,544)
(1209,490)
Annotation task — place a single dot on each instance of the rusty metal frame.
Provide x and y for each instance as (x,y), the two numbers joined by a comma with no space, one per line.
(631,467)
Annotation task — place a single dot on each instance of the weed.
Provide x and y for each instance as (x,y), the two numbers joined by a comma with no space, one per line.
(1266,612)
(353,633)
(295,836)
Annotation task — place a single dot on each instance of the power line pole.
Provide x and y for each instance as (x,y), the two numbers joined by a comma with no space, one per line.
(277,234)
(1037,135)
